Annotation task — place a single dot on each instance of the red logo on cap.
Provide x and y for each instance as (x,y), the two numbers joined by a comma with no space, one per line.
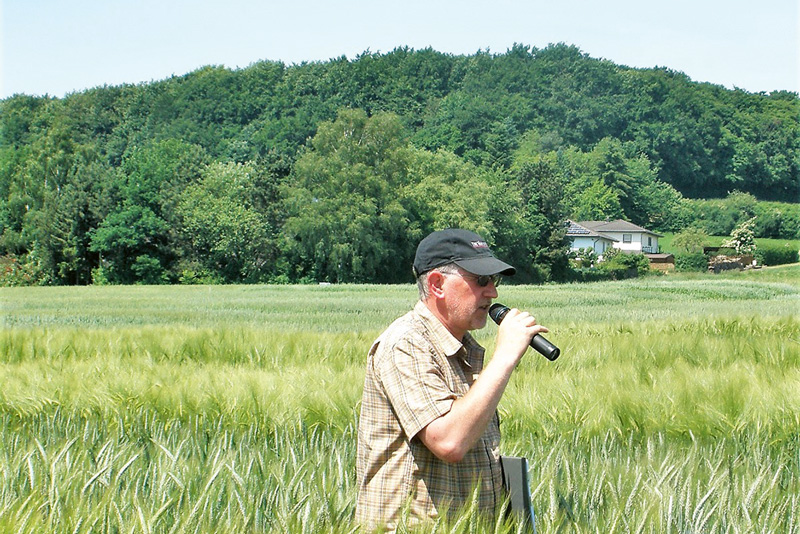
(479,244)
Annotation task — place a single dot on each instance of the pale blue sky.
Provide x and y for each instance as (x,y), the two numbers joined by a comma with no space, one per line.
(59,46)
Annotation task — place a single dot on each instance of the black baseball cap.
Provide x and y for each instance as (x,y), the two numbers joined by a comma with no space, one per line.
(466,249)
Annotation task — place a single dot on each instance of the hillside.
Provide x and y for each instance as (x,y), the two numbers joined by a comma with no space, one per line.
(256,175)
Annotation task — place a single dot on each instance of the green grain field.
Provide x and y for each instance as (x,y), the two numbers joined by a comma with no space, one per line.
(674,408)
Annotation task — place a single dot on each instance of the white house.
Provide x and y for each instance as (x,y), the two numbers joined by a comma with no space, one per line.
(602,235)
(582,238)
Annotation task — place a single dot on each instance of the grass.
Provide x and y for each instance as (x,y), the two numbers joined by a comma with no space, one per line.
(665,242)
(364,308)
(675,406)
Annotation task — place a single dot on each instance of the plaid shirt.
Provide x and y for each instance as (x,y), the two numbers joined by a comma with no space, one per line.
(415,370)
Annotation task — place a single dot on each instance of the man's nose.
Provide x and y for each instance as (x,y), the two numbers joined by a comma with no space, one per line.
(491,290)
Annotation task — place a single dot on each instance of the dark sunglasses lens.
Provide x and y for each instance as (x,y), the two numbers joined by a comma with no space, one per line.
(484,280)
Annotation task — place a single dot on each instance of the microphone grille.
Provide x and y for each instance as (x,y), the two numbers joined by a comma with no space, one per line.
(497,311)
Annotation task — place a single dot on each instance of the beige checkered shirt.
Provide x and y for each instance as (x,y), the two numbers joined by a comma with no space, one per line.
(415,370)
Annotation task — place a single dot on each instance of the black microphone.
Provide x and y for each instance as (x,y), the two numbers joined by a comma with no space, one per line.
(497,312)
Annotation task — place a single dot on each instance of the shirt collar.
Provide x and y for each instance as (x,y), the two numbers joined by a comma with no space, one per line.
(442,336)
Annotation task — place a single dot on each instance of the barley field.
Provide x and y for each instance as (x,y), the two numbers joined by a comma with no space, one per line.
(674,407)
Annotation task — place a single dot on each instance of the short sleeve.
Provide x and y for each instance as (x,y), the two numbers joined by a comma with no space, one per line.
(415,385)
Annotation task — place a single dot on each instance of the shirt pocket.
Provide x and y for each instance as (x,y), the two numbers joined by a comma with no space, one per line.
(457,374)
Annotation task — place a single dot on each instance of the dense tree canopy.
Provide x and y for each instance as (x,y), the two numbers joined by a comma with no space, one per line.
(332,171)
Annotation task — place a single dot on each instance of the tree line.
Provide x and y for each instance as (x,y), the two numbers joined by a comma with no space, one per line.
(332,171)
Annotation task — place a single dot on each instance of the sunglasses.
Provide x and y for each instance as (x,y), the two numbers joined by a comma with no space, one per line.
(482,280)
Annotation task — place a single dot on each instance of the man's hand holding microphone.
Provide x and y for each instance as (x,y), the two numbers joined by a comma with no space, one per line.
(520,326)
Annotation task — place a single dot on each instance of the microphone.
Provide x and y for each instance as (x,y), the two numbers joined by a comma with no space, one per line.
(497,312)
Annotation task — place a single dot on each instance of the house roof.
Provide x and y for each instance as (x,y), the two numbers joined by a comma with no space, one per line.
(615,226)
(579,230)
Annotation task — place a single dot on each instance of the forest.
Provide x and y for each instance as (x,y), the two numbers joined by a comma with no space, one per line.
(332,171)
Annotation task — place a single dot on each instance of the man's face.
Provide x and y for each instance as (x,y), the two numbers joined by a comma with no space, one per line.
(467,302)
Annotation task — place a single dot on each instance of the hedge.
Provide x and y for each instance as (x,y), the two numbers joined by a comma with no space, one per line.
(776,254)
(691,261)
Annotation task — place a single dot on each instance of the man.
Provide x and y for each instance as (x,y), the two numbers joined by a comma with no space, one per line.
(429,432)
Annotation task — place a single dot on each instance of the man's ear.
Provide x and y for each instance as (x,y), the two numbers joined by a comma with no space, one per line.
(435,283)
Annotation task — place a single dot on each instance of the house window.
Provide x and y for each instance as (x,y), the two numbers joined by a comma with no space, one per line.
(649,241)
(626,238)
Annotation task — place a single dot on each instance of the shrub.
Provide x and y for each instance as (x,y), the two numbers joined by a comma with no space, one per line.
(743,240)
(583,257)
(22,271)
(690,240)
(771,254)
(624,265)
(583,274)
(691,262)
(776,220)
(100,276)
(790,224)
(148,270)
